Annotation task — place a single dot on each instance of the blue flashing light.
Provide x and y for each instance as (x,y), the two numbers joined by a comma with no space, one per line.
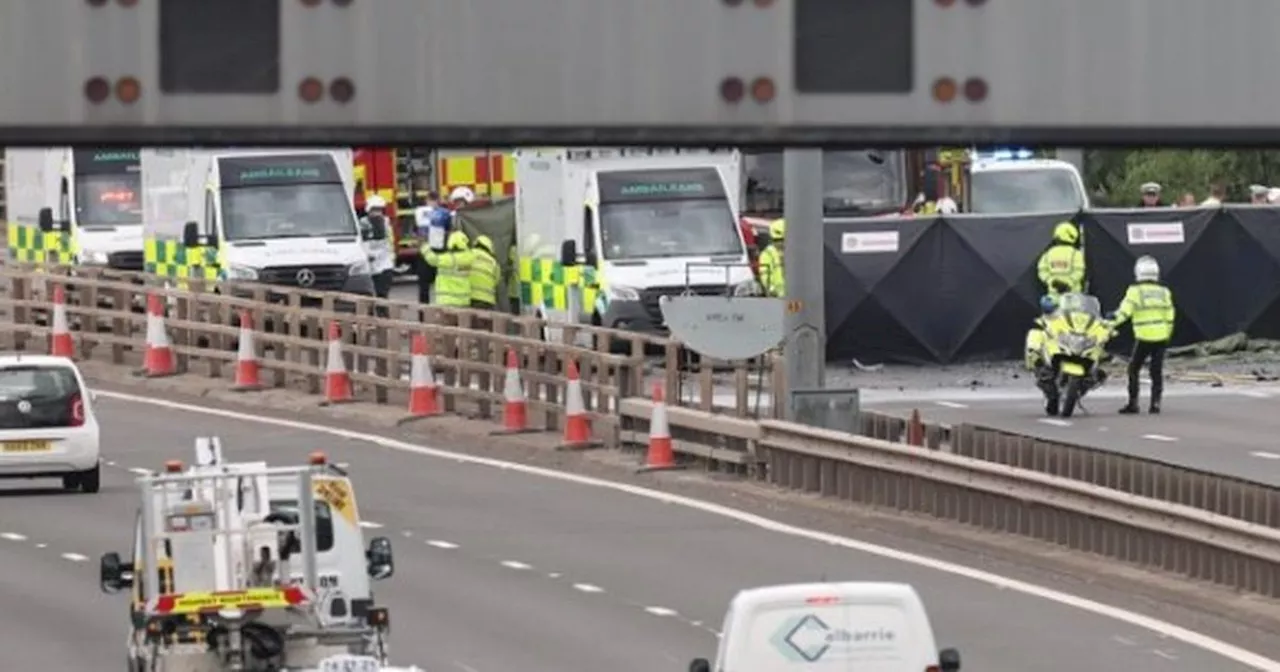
(1004,154)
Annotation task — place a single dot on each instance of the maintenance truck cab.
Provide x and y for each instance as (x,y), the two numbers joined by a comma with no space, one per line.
(280,217)
(74,207)
(603,234)
(256,568)
(816,627)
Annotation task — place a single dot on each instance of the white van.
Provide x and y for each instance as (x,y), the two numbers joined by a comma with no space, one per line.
(829,627)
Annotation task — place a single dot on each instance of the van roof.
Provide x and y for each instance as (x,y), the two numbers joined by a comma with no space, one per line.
(853,591)
(994,166)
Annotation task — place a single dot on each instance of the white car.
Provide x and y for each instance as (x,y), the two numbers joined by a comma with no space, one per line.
(47,426)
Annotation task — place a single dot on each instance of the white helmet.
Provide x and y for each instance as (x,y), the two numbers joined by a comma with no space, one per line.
(463,194)
(1146,269)
(375,203)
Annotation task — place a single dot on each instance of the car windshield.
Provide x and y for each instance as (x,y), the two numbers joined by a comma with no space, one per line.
(1037,190)
(1080,303)
(287,211)
(668,229)
(37,383)
(109,199)
(853,181)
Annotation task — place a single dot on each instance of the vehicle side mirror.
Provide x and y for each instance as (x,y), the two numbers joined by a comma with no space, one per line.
(114,575)
(45,220)
(191,235)
(381,563)
(569,253)
(699,665)
(949,660)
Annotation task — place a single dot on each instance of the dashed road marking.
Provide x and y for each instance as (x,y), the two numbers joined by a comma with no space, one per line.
(140,471)
(951,404)
(370,525)
(660,611)
(42,545)
(1055,422)
(1164,654)
(13,536)
(1156,626)
(439,543)
(515,564)
(1256,394)
(75,557)
(1160,437)
(554,575)
(1265,455)
(587,588)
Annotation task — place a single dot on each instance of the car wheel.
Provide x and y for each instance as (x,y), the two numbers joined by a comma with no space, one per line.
(91,480)
(71,482)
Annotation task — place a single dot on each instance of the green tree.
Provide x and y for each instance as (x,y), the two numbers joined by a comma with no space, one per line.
(1115,176)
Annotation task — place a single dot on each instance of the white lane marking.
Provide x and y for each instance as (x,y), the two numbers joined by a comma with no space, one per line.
(1255,394)
(951,404)
(75,557)
(1162,654)
(587,588)
(13,536)
(1265,455)
(42,545)
(1056,422)
(464,667)
(1124,640)
(1185,635)
(140,471)
(515,564)
(440,543)
(1160,437)
(660,611)
(554,575)
(370,525)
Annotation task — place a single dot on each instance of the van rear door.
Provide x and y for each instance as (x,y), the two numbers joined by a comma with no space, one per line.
(831,634)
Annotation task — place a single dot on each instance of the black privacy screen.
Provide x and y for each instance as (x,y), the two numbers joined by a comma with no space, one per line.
(220,46)
(854,46)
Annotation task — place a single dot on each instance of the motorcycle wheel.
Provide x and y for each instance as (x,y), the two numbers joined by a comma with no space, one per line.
(1071,396)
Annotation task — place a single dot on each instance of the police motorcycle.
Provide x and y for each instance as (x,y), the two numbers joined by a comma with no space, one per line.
(1066,350)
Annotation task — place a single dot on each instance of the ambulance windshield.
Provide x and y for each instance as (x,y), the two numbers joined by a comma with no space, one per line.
(632,231)
(287,211)
(109,199)
(647,214)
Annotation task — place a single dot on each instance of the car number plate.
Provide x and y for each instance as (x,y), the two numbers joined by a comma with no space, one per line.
(26,446)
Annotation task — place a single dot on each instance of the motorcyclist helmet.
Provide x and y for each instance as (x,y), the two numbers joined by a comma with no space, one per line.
(1048,304)
(1066,233)
(778,230)
(457,241)
(1146,269)
(376,203)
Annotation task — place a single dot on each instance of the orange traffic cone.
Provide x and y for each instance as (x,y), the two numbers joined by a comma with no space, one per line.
(661,456)
(515,410)
(248,369)
(337,382)
(60,343)
(577,424)
(158,360)
(424,391)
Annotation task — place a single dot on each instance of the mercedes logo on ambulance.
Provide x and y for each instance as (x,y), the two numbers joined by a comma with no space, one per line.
(24,406)
(306,277)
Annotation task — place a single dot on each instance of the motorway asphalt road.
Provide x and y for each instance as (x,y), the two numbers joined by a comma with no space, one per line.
(499,570)
(1230,431)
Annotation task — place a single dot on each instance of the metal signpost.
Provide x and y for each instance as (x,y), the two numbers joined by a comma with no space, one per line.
(786,72)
